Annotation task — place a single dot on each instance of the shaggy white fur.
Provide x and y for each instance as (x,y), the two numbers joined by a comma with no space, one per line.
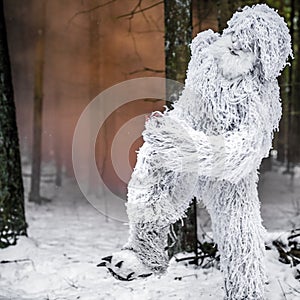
(231,59)
(211,145)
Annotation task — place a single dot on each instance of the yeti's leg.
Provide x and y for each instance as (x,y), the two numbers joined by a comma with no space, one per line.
(157,197)
(238,231)
(148,241)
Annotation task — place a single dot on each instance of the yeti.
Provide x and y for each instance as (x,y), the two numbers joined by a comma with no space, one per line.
(210,146)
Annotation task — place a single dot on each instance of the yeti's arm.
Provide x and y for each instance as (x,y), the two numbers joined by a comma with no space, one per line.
(231,156)
(201,41)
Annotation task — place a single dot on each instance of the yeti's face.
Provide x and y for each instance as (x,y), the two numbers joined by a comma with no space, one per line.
(232,58)
(261,31)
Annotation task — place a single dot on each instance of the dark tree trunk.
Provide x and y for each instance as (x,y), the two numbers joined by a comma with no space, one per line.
(287,140)
(290,99)
(94,90)
(178,35)
(38,108)
(58,137)
(226,8)
(94,53)
(281,140)
(224,13)
(294,132)
(12,216)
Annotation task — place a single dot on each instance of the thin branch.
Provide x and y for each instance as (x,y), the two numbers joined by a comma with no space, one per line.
(293,236)
(86,11)
(71,283)
(146,69)
(134,42)
(190,275)
(14,261)
(138,9)
(141,10)
(191,258)
(148,31)
(131,34)
(138,5)
(146,18)
(156,25)
(282,289)
(295,290)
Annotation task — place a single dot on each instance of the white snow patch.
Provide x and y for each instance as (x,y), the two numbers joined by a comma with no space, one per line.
(68,237)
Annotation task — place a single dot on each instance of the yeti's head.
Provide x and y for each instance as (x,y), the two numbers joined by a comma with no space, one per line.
(260,37)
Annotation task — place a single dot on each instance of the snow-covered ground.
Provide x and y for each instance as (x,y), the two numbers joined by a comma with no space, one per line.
(68,237)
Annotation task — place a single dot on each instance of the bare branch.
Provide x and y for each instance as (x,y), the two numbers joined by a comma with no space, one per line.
(141,10)
(86,11)
(14,261)
(146,69)
(156,25)
(138,9)
(148,31)
(134,44)
(138,5)
(282,289)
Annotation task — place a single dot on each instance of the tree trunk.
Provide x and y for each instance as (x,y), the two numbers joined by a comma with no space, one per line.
(12,216)
(38,109)
(294,153)
(58,136)
(224,13)
(290,99)
(178,35)
(226,8)
(94,90)
(287,139)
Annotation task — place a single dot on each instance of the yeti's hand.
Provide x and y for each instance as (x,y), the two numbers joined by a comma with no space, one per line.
(124,265)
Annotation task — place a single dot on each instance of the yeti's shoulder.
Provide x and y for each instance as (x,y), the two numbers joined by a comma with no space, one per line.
(202,40)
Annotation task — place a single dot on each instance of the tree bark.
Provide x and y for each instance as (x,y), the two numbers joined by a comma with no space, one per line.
(178,35)
(12,216)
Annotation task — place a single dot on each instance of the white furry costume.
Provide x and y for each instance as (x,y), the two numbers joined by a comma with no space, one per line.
(211,145)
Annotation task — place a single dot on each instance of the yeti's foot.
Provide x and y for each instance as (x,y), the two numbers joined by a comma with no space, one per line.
(125,265)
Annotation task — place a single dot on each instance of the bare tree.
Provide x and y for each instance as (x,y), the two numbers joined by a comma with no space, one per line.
(95,66)
(294,111)
(178,35)
(38,108)
(58,136)
(12,217)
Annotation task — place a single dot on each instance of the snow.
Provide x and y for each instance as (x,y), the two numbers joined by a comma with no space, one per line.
(281,199)
(68,237)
